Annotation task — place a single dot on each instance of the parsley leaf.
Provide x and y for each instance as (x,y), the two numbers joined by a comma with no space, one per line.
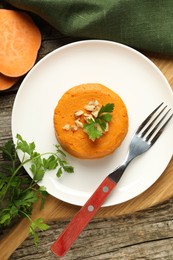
(50,163)
(18,192)
(8,151)
(37,224)
(106,117)
(91,128)
(24,146)
(108,108)
(96,127)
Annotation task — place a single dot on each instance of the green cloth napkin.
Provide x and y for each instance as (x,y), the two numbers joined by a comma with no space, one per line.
(142,24)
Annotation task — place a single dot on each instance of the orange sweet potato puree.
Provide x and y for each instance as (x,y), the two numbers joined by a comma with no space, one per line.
(77,142)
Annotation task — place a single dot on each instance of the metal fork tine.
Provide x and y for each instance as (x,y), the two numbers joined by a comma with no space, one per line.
(156,127)
(147,119)
(160,131)
(152,122)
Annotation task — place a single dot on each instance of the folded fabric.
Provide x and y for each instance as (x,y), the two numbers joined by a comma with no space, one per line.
(142,24)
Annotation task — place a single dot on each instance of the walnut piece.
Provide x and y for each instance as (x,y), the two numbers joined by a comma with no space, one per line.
(78,113)
(66,127)
(79,123)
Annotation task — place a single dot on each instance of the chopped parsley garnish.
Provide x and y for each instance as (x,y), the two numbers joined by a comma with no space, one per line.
(96,127)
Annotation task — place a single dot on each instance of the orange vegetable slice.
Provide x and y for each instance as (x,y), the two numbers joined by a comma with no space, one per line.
(7,82)
(20,40)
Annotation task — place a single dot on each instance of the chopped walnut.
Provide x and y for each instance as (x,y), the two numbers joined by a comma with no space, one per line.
(107,127)
(93,102)
(88,116)
(79,123)
(74,128)
(66,127)
(89,107)
(95,111)
(78,113)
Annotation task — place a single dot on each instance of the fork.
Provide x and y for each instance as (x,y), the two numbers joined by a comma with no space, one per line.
(143,139)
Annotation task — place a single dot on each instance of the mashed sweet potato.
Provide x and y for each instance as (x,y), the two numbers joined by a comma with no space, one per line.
(76,141)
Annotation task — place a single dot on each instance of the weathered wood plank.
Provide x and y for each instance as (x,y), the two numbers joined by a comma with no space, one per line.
(6,103)
(144,235)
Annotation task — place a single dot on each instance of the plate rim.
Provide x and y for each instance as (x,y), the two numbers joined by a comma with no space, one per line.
(59,49)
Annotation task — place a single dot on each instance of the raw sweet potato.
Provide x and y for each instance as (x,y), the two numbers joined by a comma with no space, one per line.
(20,41)
(7,82)
(77,142)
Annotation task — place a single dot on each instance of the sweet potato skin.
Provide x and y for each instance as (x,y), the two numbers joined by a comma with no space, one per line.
(77,143)
(20,40)
(7,82)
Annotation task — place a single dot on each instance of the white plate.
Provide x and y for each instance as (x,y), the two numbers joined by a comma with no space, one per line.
(130,74)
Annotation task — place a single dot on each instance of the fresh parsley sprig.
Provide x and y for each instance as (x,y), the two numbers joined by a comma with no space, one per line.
(95,127)
(18,192)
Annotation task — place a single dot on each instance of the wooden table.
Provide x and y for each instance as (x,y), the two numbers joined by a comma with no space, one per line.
(145,234)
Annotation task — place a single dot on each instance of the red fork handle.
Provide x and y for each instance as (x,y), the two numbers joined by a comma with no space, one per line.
(82,218)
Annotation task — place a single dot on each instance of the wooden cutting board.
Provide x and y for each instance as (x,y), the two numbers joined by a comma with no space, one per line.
(55,209)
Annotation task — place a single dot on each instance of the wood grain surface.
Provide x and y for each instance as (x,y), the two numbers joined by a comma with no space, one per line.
(141,228)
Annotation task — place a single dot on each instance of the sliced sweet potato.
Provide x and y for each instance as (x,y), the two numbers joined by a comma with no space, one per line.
(20,40)
(7,82)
